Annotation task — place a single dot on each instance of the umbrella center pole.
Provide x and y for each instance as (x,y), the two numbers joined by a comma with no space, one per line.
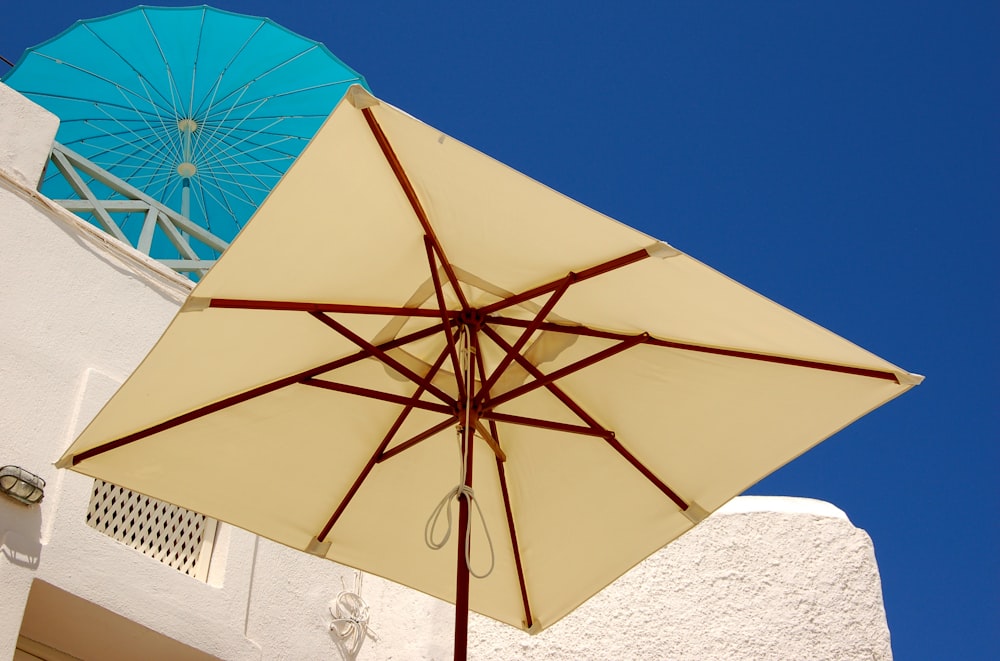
(186,197)
(464,552)
(462,563)
(468,422)
(186,169)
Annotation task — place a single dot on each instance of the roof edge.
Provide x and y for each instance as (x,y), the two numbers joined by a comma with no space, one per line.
(782,505)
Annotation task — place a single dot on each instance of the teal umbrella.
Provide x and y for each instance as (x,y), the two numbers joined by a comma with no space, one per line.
(199,108)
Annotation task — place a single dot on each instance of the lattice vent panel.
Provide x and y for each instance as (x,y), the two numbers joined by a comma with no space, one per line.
(173,535)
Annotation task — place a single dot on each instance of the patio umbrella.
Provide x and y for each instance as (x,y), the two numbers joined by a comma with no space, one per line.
(444,328)
(200,108)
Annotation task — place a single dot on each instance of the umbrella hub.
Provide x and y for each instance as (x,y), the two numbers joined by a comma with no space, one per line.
(187,169)
(471,318)
(475,408)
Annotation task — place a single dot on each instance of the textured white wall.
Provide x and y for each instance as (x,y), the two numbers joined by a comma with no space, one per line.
(79,311)
(762,579)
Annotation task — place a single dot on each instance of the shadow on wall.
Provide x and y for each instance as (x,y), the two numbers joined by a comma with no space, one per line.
(20,533)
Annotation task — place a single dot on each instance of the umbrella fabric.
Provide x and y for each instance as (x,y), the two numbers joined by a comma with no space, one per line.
(192,99)
(312,372)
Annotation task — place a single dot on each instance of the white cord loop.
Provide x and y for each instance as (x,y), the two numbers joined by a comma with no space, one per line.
(444,505)
(350,619)
(461,491)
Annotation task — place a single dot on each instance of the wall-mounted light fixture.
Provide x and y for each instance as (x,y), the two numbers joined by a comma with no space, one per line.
(21,485)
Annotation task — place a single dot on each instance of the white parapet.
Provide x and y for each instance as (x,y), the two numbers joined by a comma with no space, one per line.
(26,134)
(762,578)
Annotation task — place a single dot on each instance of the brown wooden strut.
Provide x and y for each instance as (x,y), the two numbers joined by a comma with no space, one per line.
(502,477)
(490,440)
(376,352)
(250,394)
(585,274)
(449,333)
(422,436)
(375,457)
(529,330)
(544,379)
(538,423)
(606,434)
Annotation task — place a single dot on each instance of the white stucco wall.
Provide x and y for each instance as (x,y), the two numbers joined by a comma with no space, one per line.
(79,311)
(761,579)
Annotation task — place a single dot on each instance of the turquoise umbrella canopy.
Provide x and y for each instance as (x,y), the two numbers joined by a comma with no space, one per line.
(199,108)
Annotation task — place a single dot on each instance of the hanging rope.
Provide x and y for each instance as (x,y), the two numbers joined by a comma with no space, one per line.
(350,618)
(461,490)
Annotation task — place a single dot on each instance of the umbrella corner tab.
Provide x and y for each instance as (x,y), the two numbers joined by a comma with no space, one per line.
(662,250)
(695,513)
(360,98)
(196,304)
(318,548)
(908,379)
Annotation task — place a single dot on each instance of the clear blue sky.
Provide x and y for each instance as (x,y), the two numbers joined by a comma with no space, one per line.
(843,158)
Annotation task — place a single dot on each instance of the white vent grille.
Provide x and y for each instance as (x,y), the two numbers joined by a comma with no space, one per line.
(173,535)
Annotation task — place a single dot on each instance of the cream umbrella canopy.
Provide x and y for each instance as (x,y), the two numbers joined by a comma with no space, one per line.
(406,322)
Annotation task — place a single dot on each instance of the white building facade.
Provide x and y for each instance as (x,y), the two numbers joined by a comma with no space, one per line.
(93,572)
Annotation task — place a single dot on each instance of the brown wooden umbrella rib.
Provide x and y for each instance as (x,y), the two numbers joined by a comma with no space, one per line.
(411,195)
(377,455)
(548,380)
(307,306)
(248,395)
(688,346)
